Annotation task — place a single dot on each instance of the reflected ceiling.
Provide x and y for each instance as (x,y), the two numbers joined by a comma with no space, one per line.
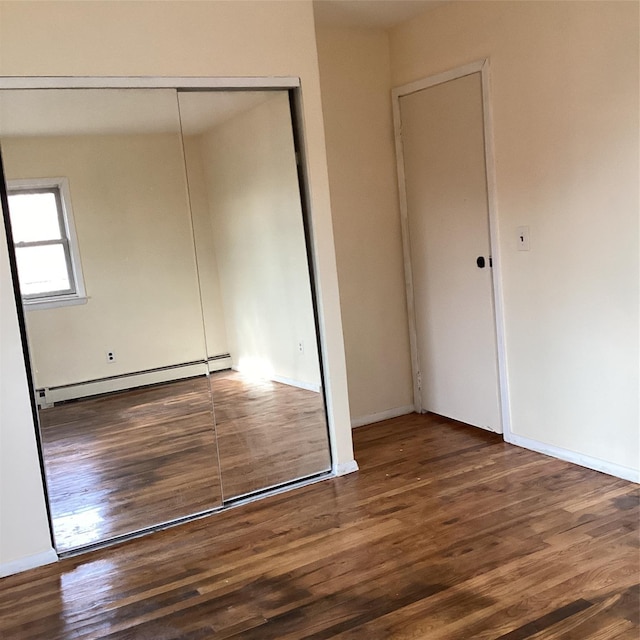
(111,112)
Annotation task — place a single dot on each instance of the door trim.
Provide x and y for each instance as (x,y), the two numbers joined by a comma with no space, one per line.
(482,67)
(149,82)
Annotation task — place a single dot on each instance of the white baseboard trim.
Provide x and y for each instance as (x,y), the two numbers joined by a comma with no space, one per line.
(30,562)
(361,421)
(309,386)
(619,471)
(300,384)
(344,468)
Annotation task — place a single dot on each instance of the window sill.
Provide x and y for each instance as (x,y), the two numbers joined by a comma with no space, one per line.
(54,303)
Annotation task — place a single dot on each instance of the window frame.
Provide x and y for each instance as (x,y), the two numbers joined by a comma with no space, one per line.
(77,293)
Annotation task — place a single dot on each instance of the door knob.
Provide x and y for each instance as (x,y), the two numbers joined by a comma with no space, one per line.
(480,262)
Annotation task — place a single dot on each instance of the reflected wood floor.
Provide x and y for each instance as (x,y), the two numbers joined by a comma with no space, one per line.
(131,460)
(126,461)
(445,533)
(268,433)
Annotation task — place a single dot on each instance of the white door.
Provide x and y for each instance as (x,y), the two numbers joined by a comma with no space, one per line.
(448,226)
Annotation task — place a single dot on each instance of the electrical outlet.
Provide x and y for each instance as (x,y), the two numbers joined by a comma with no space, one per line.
(111,356)
(301,346)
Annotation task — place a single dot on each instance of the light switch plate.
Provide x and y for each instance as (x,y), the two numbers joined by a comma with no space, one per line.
(523,238)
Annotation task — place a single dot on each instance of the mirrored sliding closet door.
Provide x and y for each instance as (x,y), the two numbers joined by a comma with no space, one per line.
(163,265)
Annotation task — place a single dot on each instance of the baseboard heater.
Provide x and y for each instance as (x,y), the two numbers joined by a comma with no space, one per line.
(48,396)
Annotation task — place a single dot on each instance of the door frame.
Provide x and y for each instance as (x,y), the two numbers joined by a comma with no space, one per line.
(482,67)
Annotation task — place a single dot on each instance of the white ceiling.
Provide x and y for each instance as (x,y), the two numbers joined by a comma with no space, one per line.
(202,110)
(66,112)
(381,14)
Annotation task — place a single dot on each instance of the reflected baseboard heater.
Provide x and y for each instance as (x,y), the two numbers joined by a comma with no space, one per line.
(48,396)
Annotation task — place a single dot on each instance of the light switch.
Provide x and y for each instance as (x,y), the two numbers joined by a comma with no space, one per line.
(523,238)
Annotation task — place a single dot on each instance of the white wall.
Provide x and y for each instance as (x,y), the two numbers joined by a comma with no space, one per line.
(256,219)
(211,297)
(129,199)
(564,94)
(355,80)
(173,38)
(24,532)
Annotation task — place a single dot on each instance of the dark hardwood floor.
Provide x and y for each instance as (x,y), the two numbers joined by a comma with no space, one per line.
(268,433)
(126,461)
(135,459)
(445,533)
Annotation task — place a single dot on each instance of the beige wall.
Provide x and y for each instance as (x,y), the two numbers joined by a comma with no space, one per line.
(24,532)
(131,213)
(564,94)
(355,80)
(261,38)
(212,309)
(254,202)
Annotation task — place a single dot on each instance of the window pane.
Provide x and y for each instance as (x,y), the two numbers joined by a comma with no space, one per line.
(34,216)
(42,270)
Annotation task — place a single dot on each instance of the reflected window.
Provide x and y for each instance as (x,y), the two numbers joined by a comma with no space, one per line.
(44,236)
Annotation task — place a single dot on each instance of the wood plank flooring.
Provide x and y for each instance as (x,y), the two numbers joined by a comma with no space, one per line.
(445,533)
(268,433)
(126,461)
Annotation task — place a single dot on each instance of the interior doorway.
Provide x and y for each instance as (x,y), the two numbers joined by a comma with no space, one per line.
(450,259)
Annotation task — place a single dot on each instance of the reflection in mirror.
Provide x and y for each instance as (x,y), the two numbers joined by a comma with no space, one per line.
(116,338)
(254,275)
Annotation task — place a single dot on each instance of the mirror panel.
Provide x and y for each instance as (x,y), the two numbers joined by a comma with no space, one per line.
(126,416)
(254,274)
